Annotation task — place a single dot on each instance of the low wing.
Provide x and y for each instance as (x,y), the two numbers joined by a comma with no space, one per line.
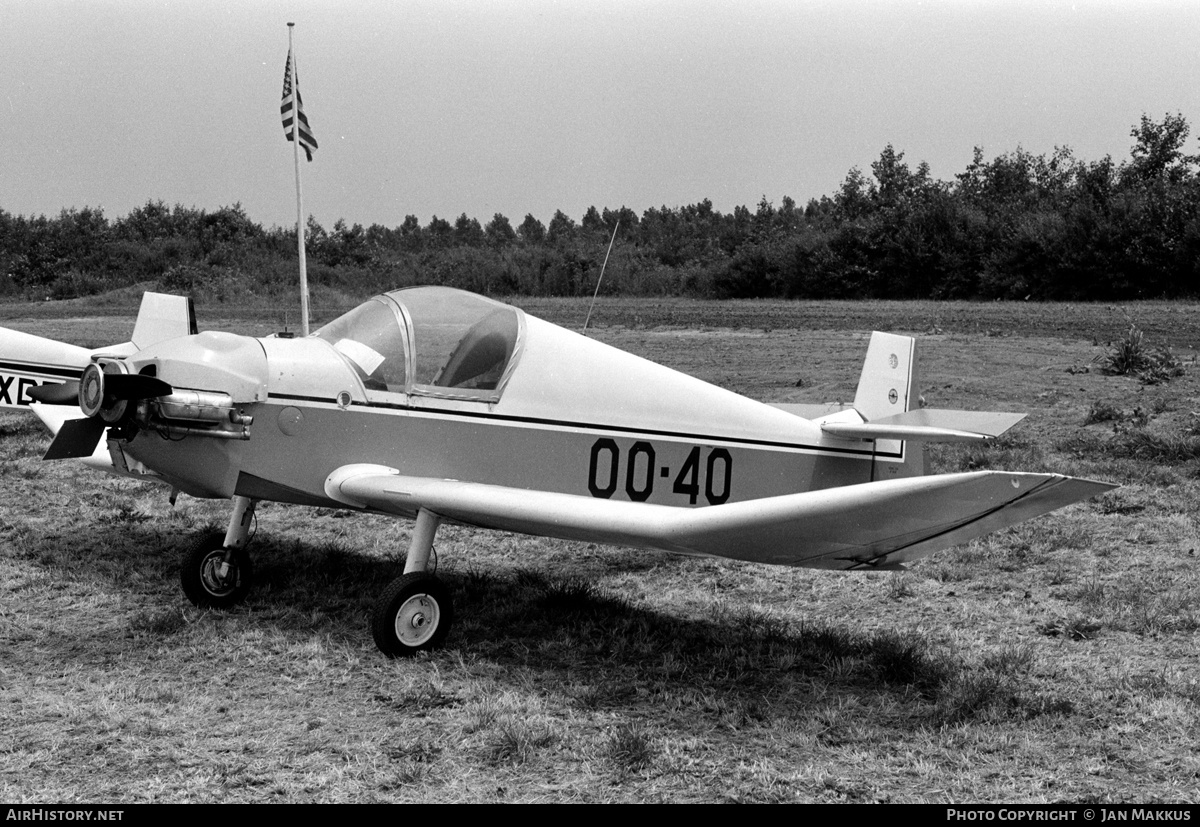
(857,526)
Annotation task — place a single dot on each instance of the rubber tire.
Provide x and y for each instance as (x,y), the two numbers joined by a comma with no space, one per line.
(197,578)
(412,595)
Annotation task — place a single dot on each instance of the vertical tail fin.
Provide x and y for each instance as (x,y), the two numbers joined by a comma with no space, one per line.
(886,387)
(888,384)
(162,317)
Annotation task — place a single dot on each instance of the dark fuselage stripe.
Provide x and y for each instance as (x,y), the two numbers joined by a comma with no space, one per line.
(297,398)
(41,370)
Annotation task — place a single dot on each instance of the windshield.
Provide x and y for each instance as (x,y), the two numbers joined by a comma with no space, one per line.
(457,345)
(371,339)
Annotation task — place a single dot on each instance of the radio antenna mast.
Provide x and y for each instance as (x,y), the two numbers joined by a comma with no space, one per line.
(603,267)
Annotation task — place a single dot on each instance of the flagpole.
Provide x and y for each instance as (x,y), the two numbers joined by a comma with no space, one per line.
(299,189)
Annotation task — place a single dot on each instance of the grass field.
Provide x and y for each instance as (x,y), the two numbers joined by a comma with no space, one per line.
(1055,661)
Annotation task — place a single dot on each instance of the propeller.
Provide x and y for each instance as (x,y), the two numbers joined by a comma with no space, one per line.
(104,397)
(76,438)
(64,393)
(100,391)
(111,388)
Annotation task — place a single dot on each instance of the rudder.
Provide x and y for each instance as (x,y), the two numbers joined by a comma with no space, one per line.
(888,384)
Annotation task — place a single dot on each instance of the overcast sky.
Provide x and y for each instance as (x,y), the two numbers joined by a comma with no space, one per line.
(443,107)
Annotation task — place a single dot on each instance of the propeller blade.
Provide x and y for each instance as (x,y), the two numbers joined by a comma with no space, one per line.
(76,438)
(65,393)
(132,386)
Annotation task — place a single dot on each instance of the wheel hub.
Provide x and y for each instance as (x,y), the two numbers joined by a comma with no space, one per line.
(417,619)
(218,576)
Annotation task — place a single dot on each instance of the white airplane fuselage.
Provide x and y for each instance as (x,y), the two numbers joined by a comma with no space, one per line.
(576,417)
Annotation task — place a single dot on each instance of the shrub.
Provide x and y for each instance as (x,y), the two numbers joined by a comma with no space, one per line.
(1131,356)
(1125,356)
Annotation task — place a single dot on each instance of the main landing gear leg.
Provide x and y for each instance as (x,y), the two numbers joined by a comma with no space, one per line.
(239,523)
(414,612)
(421,544)
(215,572)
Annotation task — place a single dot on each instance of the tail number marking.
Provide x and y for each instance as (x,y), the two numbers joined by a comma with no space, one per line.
(14,390)
(712,474)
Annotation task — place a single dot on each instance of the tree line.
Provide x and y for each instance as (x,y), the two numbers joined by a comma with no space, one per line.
(1018,226)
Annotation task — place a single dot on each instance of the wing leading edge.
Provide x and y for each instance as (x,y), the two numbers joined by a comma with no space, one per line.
(858,526)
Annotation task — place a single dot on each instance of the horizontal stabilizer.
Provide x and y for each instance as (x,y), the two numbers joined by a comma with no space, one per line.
(858,526)
(930,425)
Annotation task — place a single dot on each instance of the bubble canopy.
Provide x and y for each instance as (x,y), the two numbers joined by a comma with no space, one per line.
(430,341)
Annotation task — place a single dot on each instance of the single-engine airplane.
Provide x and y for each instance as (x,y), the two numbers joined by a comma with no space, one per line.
(439,405)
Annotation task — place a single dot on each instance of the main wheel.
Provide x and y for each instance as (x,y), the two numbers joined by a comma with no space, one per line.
(412,615)
(208,580)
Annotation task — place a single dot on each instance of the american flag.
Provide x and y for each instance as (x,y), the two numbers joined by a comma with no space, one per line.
(307,142)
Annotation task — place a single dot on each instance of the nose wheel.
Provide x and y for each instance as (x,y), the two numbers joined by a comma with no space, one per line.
(412,615)
(213,576)
(215,572)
